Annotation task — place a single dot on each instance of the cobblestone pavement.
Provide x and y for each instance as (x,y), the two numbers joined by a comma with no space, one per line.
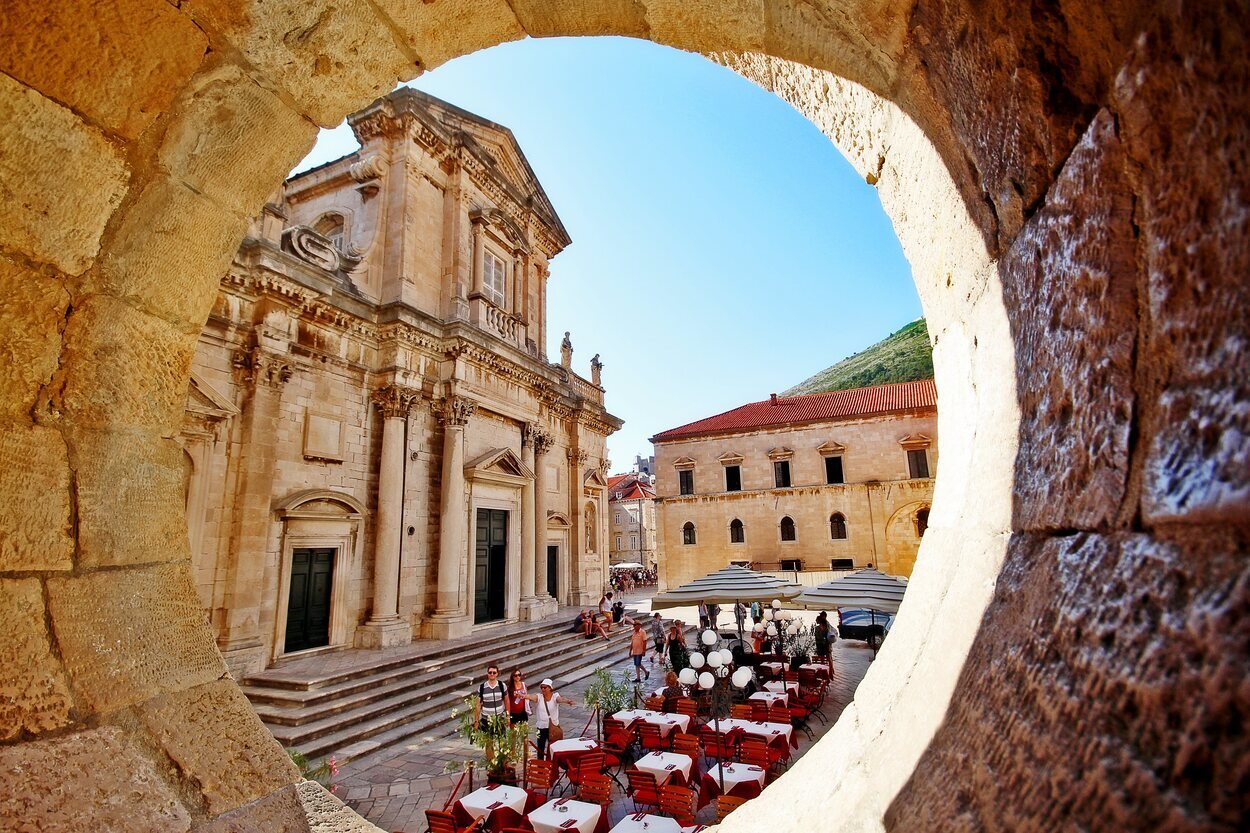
(393,787)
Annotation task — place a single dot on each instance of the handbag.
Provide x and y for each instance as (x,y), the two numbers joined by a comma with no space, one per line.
(554,732)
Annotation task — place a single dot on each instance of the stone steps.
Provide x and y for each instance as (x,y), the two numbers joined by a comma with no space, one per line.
(351,712)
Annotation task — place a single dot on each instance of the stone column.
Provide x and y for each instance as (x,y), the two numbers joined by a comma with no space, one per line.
(385,628)
(542,444)
(518,275)
(479,256)
(527,525)
(239,638)
(524,283)
(451,618)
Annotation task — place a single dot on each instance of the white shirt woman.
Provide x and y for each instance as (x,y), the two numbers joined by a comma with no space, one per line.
(546,713)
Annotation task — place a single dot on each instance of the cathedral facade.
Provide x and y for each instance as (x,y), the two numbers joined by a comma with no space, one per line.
(377,448)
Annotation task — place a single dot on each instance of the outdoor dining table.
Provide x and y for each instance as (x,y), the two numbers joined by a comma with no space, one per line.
(648,823)
(821,669)
(772,698)
(775,667)
(741,781)
(565,815)
(567,750)
(667,722)
(502,806)
(785,688)
(768,732)
(667,766)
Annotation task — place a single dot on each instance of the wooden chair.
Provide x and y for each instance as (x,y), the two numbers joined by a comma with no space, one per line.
(595,788)
(687,706)
(654,704)
(439,822)
(651,738)
(798,719)
(759,711)
(715,745)
(778,714)
(588,765)
(616,744)
(742,711)
(686,744)
(726,804)
(678,803)
(643,788)
(756,752)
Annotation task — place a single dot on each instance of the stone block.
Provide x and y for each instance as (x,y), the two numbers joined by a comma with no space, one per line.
(861,40)
(332,59)
(1189,136)
(35,526)
(438,32)
(130,488)
(89,781)
(279,812)
(118,63)
(1070,281)
(168,253)
(707,25)
(33,694)
(562,19)
(218,743)
(325,812)
(1124,657)
(31,316)
(127,635)
(59,184)
(121,366)
(232,140)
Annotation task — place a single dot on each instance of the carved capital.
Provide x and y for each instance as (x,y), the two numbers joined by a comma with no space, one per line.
(259,367)
(394,400)
(455,411)
(534,433)
(578,457)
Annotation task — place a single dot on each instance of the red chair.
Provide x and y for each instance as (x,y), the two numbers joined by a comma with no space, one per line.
(759,711)
(685,744)
(678,803)
(595,788)
(778,714)
(642,788)
(715,745)
(440,822)
(652,738)
(540,776)
(726,804)
(590,764)
(688,707)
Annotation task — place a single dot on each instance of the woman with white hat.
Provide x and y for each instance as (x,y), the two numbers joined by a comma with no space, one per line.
(547,714)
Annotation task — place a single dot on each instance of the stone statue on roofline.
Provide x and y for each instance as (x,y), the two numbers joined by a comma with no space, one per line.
(596,370)
(566,352)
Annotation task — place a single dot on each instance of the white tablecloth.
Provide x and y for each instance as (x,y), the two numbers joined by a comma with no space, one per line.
(647,823)
(819,669)
(481,802)
(782,687)
(775,667)
(765,731)
(772,698)
(666,722)
(549,819)
(663,764)
(573,745)
(736,774)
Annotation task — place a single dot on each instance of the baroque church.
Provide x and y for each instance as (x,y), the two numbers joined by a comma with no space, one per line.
(377,447)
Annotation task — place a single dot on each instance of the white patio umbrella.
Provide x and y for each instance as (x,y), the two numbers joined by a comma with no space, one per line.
(728,585)
(870,589)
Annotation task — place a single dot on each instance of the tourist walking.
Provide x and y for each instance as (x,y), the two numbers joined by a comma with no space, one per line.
(492,698)
(638,650)
(547,715)
(657,634)
(702,616)
(518,703)
(740,614)
(678,656)
(822,633)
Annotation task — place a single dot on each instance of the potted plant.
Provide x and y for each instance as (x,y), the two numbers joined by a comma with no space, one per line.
(503,745)
(608,695)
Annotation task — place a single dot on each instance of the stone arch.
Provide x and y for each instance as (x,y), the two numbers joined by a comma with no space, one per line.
(897,556)
(1069,191)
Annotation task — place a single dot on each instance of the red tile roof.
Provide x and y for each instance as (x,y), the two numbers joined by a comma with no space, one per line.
(812,407)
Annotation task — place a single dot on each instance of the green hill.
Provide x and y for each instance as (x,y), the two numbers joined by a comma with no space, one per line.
(904,356)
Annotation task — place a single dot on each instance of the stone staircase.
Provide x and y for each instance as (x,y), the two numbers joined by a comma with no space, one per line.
(348,706)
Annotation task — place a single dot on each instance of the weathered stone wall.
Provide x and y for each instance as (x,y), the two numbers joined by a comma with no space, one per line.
(1072,650)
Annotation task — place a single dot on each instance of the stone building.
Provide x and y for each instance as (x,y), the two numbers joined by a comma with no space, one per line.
(377,448)
(825,481)
(631,536)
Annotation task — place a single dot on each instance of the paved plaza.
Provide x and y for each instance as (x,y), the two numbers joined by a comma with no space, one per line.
(393,787)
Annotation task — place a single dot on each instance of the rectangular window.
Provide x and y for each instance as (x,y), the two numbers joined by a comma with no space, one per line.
(918,463)
(833,470)
(792,564)
(733,478)
(685,482)
(633,542)
(781,473)
(842,564)
(494,279)
(618,542)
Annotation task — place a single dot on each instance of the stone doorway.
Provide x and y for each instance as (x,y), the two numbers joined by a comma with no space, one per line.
(308,606)
(553,565)
(490,565)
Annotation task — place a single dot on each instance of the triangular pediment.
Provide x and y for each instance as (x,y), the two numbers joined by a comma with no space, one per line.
(730,458)
(498,462)
(830,447)
(203,398)
(916,441)
(781,452)
(595,478)
(683,463)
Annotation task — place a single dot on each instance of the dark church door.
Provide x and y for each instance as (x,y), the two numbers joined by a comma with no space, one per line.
(553,564)
(490,565)
(308,609)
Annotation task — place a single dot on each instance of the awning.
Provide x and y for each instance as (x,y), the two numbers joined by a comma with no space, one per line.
(726,586)
(868,588)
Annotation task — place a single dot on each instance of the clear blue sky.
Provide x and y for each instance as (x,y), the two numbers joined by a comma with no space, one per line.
(723,249)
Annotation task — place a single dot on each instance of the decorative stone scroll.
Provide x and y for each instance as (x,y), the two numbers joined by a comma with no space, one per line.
(455,411)
(394,400)
(260,367)
(317,249)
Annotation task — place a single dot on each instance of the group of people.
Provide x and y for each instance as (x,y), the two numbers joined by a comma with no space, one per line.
(506,703)
(625,580)
(611,612)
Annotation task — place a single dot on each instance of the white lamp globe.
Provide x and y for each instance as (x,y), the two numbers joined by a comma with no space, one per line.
(722,672)
(792,630)
(741,677)
(706,680)
(758,627)
(768,615)
(714,660)
(771,630)
(726,655)
(784,615)
(709,637)
(687,676)
(776,603)
(696,660)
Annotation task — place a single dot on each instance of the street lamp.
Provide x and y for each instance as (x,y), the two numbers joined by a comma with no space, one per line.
(719,683)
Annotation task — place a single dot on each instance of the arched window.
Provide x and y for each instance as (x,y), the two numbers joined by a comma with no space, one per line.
(735,532)
(687,533)
(787,528)
(837,526)
(331,226)
(922,521)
